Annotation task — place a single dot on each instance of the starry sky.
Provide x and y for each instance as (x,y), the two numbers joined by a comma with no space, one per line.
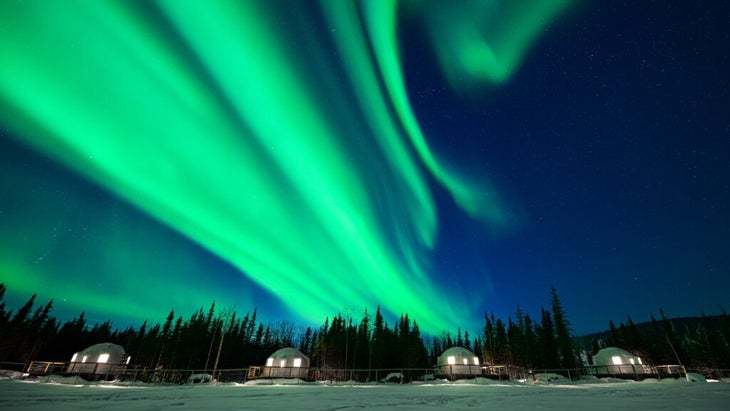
(443,159)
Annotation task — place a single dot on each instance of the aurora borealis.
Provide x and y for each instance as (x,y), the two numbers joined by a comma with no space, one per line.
(287,155)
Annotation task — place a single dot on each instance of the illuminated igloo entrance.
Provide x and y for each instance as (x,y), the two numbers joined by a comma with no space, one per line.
(99,361)
(456,363)
(286,363)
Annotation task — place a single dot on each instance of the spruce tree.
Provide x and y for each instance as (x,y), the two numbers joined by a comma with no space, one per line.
(516,337)
(31,340)
(632,337)
(4,315)
(418,348)
(361,355)
(549,357)
(305,344)
(530,343)
(378,341)
(15,332)
(614,338)
(489,337)
(502,352)
(165,339)
(563,338)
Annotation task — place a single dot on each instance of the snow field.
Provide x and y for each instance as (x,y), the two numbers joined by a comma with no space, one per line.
(71,394)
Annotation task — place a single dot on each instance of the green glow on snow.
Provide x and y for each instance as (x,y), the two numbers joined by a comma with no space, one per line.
(217,120)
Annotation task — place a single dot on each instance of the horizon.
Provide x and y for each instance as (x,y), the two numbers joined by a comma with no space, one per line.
(301,327)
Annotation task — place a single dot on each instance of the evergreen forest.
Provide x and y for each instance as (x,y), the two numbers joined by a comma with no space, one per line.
(226,339)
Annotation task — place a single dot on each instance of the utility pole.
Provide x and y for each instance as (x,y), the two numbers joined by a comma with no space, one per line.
(225,323)
(677,357)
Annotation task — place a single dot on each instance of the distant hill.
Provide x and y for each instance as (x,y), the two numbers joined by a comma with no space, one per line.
(700,342)
(681,325)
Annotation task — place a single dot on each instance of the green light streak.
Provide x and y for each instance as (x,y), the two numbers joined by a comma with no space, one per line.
(204,116)
(478,200)
(485,41)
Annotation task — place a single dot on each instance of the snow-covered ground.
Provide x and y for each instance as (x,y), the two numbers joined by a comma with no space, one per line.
(60,394)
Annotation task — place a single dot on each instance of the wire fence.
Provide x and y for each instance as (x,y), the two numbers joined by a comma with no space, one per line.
(100,371)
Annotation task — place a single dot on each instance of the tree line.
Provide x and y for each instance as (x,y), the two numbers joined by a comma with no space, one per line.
(216,338)
(698,342)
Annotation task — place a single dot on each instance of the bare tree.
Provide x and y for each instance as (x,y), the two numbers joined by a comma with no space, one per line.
(225,320)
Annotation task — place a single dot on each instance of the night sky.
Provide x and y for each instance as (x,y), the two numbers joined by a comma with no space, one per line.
(443,159)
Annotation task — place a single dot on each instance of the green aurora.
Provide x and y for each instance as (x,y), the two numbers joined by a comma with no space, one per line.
(278,136)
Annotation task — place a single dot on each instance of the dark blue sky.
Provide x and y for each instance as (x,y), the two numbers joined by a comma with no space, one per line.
(613,141)
(609,146)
